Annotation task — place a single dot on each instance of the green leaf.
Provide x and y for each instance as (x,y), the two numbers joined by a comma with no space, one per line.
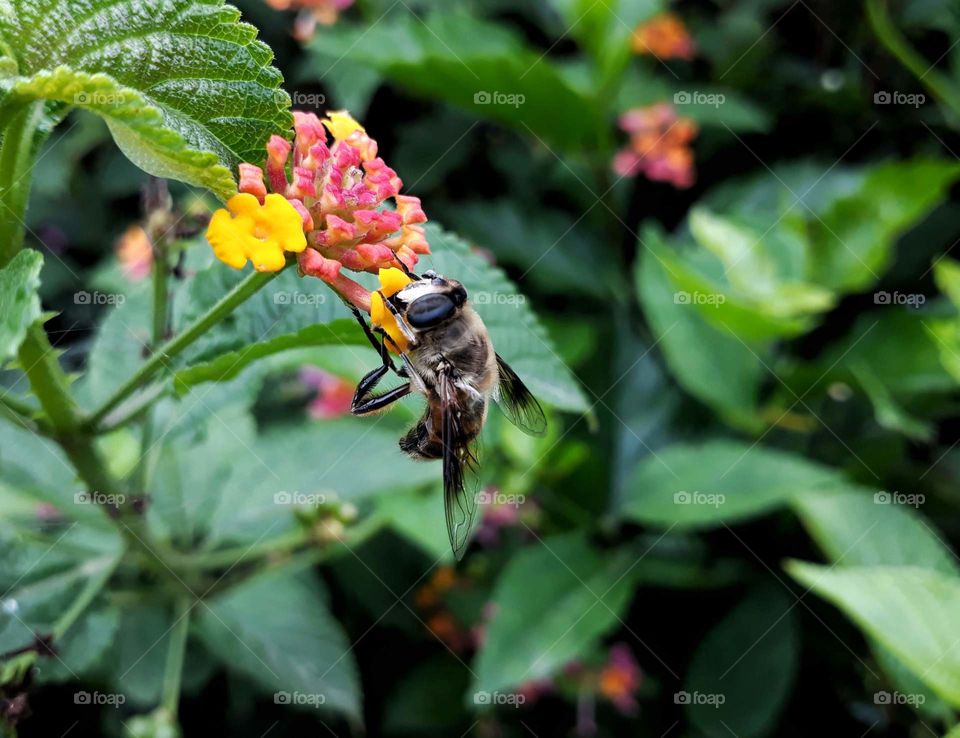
(251,630)
(517,334)
(911,611)
(83,647)
(228,365)
(742,673)
(551,604)
(186,90)
(470,63)
(860,527)
(19,303)
(853,240)
(428,699)
(712,365)
(717,483)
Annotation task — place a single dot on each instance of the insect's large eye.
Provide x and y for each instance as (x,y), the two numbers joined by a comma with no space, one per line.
(430,310)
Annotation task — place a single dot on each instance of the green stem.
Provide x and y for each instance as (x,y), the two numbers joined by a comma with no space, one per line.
(87,594)
(938,85)
(163,356)
(176,651)
(16,169)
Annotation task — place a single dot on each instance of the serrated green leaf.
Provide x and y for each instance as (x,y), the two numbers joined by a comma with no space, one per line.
(552,602)
(717,483)
(911,611)
(186,90)
(251,631)
(19,303)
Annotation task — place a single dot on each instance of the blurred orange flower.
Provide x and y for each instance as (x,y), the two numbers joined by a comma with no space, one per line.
(312,12)
(135,253)
(665,37)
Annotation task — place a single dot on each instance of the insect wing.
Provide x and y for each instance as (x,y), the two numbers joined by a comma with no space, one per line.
(461,480)
(517,402)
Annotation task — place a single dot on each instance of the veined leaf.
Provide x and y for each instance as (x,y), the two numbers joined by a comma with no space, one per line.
(19,303)
(717,483)
(251,630)
(911,611)
(186,90)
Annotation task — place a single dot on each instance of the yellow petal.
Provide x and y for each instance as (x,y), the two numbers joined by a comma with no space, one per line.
(392,280)
(380,317)
(341,124)
(243,204)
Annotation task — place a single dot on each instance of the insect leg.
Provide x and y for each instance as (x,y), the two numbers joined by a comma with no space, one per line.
(364,405)
(380,346)
(405,268)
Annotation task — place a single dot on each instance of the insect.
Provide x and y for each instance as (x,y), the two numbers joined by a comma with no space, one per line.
(450,360)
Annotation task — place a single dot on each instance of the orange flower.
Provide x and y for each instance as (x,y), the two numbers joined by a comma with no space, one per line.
(665,37)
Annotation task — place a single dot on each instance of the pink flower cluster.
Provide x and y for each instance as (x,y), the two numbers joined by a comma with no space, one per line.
(340,191)
(659,146)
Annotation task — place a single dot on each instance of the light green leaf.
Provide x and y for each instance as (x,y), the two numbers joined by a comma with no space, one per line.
(854,238)
(717,483)
(911,611)
(860,527)
(570,591)
(251,630)
(19,303)
(742,672)
(186,90)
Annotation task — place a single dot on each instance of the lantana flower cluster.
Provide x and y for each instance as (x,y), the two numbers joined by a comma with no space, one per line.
(659,146)
(326,201)
(664,36)
(311,13)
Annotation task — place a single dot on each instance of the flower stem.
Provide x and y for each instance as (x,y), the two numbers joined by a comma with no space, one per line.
(938,85)
(162,357)
(176,651)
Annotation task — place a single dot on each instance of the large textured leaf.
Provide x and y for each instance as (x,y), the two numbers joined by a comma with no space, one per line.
(19,303)
(552,602)
(717,483)
(186,90)
(476,65)
(912,611)
(277,630)
(742,672)
(517,334)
